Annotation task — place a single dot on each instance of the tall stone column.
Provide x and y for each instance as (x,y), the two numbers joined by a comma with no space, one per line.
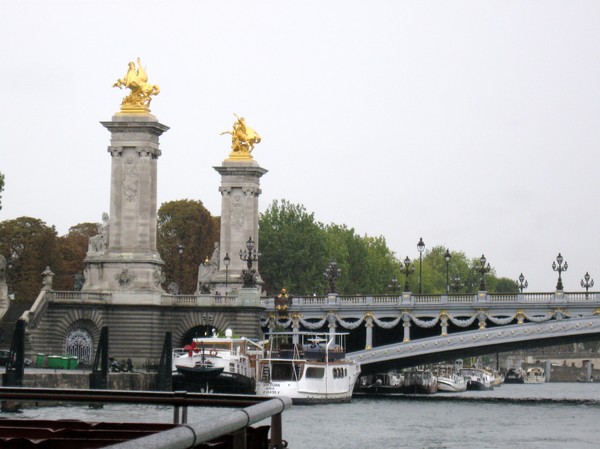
(240,189)
(124,257)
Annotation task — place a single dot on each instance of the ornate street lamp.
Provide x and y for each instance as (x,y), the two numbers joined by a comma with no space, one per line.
(456,284)
(207,319)
(560,268)
(226,262)
(482,270)
(180,249)
(421,248)
(522,284)
(249,255)
(587,284)
(331,273)
(393,285)
(407,269)
(447,258)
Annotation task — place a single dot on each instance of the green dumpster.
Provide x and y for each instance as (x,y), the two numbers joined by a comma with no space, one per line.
(39,361)
(72,362)
(53,361)
(64,362)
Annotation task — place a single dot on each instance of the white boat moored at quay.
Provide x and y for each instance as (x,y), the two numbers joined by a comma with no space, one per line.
(216,365)
(449,378)
(535,375)
(308,367)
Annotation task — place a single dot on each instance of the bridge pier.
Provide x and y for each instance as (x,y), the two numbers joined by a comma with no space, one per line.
(406,325)
(369,331)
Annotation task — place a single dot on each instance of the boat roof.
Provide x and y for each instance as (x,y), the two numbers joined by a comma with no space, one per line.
(313,334)
(217,339)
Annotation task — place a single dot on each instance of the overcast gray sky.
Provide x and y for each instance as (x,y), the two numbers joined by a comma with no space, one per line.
(472,124)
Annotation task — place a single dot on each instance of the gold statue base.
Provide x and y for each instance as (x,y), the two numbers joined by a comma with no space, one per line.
(240,156)
(134,110)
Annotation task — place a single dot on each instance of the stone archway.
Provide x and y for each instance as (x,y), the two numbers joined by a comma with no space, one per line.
(79,344)
(196,332)
(79,341)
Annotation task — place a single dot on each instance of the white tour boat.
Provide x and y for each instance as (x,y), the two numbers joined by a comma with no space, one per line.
(535,375)
(478,378)
(449,378)
(307,367)
(216,365)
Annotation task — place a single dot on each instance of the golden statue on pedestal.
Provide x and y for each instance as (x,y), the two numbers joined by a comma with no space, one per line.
(243,139)
(138,101)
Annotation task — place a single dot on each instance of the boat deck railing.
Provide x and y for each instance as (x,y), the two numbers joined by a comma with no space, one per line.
(185,435)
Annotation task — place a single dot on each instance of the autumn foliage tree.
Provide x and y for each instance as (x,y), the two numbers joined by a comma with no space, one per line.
(185,222)
(31,246)
(73,250)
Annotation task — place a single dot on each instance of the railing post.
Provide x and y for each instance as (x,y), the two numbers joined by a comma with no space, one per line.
(239,439)
(276,434)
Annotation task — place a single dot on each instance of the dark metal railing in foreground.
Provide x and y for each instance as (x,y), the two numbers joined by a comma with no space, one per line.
(257,408)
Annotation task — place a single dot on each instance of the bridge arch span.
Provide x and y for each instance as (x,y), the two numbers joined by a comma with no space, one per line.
(477,342)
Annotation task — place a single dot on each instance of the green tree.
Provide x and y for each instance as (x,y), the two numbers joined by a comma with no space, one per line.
(1,188)
(292,247)
(367,264)
(185,222)
(296,250)
(503,285)
(31,245)
(462,272)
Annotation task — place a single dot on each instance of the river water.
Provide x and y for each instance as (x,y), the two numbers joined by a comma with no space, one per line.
(551,415)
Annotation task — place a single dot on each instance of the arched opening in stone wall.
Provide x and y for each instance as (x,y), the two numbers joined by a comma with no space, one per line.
(201,331)
(79,343)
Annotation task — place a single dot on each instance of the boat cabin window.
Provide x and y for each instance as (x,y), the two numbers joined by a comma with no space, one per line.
(283,371)
(315,372)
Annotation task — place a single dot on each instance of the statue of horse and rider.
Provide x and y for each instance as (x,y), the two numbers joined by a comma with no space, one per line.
(137,81)
(243,137)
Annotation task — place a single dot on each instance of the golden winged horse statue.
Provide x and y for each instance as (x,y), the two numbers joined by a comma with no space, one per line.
(141,92)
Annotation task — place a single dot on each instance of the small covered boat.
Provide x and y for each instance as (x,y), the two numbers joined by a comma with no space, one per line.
(449,378)
(515,376)
(380,383)
(535,375)
(419,381)
(478,378)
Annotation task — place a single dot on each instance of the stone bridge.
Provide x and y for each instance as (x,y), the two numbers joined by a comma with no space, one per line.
(407,330)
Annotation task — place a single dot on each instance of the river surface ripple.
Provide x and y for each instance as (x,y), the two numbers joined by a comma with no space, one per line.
(551,415)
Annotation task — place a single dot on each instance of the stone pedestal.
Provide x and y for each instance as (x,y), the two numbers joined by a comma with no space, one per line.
(123,256)
(240,189)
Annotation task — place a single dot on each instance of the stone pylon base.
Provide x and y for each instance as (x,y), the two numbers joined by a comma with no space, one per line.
(108,274)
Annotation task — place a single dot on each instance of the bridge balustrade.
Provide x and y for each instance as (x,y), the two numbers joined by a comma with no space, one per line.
(461,298)
(77,296)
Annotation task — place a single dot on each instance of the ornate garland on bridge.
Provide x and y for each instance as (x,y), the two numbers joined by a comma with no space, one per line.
(462,323)
(350,324)
(387,324)
(313,326)
(443,316)
(424,324)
